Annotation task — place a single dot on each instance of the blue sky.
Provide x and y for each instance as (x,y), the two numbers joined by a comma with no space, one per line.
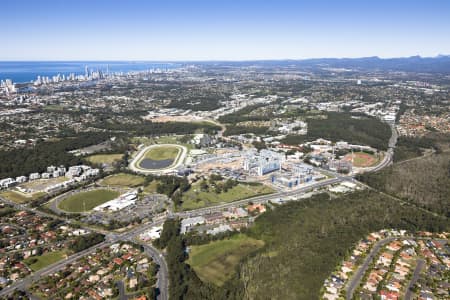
(216,30)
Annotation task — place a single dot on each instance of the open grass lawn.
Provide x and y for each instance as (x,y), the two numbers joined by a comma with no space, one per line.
(195,198)
(41,184)
(362,159)
(151,187)
(85,201)
(162,153)
(44,260)
(216,262)
(122,179)
(19,197)
(104,158)
(166,140)
(53,107)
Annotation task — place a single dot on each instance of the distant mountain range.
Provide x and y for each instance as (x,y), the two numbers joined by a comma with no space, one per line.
(438,64)
(418,64)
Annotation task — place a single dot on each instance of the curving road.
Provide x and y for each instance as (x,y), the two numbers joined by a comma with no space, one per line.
(389,155)
(420,264)
(158,257)
(54,203)
(163,274)
(356,278)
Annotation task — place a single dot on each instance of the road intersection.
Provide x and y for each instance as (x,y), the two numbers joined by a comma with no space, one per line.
(132,235)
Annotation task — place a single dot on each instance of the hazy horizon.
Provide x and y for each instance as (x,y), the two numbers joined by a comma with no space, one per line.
(219,60)
(140,30)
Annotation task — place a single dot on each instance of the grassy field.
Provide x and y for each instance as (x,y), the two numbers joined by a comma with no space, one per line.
(104,158)
(41,184)
(162,153)
(195,198)
(45,260)
(172,139)
(19,197)
(122,179)
(151,187)
(85,201)
(362,159)
(53,107)
(216,262)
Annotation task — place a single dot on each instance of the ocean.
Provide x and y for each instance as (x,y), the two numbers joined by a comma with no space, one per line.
(26,71)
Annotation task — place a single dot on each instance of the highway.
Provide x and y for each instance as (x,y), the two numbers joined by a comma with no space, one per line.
(389,154)
(163,283)
(260,199)
(157,256)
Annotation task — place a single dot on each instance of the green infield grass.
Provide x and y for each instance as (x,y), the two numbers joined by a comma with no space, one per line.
(123,179)
(86,201)
(19,197)
(104,158)
(195,198)
(162,153)
(38,262)
(216,261)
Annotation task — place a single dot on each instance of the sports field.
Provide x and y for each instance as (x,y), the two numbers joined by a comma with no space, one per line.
(195,198)
(86,201)
(362,159)
(19,197)
(104,158)
(216,261)
(123,179)
(162,153)
(38,262)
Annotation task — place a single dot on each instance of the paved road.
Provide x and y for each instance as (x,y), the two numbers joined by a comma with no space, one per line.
(121,287)
(261,199)
(420,264)
(356,278)
(47,215)
(54,203)
(154,253)
(163,283)
(25,282)
(163,273)
(389,155)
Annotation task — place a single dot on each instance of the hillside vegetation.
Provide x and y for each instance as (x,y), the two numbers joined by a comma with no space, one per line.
(343,126)
(44,154)
(410,147)
(303,242)
(216,261)
(424,182)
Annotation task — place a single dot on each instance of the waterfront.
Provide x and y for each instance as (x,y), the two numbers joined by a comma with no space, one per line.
(26,71)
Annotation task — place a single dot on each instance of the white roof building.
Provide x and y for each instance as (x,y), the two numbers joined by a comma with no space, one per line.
(189,222)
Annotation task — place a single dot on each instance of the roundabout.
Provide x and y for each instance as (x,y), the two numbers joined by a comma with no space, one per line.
(159,159)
